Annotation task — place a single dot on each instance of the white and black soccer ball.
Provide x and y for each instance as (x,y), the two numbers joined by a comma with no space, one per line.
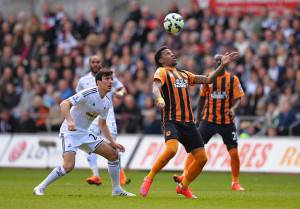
(173,23)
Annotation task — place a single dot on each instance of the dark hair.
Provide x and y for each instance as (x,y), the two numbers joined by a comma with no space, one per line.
(101,73)
(158,54)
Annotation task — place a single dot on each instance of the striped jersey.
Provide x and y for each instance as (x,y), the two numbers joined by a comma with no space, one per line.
(87,105)
(174,90)
(219,98)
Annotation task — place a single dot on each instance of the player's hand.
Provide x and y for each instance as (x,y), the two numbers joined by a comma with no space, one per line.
(229,57)
(119,94)
(117,146)
(160,103)
(71,126)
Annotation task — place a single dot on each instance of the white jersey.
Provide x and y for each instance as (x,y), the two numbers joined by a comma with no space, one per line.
(88,81)
(87,105)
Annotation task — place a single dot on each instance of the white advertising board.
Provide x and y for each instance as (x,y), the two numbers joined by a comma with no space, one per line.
(278,155)
(41,151)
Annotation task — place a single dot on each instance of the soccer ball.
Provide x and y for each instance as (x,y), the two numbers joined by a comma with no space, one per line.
(173,23)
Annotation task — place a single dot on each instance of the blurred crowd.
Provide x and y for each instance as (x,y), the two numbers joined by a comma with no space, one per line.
(42,58)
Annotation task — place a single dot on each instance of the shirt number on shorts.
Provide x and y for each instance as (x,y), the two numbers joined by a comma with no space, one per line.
(234,138)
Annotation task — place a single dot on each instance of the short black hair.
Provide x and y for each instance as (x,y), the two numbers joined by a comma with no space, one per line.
(158,54)
(101,73)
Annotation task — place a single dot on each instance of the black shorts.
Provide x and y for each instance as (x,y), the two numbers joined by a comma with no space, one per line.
(227,132)
(186,133)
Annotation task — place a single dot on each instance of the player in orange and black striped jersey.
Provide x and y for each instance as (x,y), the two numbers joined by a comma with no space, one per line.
(217,104)
(170,88)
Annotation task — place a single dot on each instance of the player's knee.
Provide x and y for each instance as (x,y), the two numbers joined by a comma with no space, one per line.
(113,156)
(68,167)
(233,152)
(172,152)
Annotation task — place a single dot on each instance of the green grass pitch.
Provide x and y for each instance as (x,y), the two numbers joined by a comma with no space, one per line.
(213,189)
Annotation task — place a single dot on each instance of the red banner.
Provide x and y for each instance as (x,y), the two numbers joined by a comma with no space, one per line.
(254,6)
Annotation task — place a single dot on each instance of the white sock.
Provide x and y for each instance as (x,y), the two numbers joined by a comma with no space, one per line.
(92,160)
(55,174)
(114,172)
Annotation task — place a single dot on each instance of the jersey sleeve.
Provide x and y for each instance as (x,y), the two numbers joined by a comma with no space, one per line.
(160,74)
(191,77)
(78,98)
(238,91)
(203,90)
(117,84)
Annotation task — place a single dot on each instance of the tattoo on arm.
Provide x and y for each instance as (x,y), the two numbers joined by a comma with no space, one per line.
(199,79)
(217,72)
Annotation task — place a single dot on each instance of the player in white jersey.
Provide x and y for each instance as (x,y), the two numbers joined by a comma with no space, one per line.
(118,90)
(79,111)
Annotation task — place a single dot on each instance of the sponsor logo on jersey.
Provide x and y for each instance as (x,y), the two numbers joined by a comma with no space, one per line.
(181,83)
(219,95)
(91,115)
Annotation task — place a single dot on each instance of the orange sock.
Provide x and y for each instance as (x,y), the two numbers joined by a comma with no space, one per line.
(164,158)
(196,167)
(122,177)
(235,164)
(189,160)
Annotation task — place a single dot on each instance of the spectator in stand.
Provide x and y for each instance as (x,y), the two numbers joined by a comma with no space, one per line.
(131,113)
(26,124)
(54,118)
(40,113)
(57,46)
(8,123)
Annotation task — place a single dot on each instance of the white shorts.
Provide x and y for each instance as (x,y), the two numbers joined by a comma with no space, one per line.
(112,126)
(87,142)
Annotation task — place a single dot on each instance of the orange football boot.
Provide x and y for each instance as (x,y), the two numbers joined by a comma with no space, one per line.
(237,187)
(185,191)
(94,180)
(145,187)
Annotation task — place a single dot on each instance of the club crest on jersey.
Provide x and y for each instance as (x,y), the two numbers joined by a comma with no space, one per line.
(180,83)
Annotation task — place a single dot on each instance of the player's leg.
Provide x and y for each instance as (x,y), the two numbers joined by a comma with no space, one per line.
(206,131)
(107,151)
(171,137)
(112,125)
(92,160)
(193,143)
(229,136)
(162,160)
(59,171)
(95,178)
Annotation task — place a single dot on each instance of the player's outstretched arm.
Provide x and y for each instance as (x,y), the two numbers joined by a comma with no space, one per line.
(160,102)
(65,107)
(226,59)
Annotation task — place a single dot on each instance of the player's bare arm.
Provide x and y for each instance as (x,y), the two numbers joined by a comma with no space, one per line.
(236,104)
(65,107)
(120,92)
(107,134)
(226,59)
(201,104)
(160,102)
